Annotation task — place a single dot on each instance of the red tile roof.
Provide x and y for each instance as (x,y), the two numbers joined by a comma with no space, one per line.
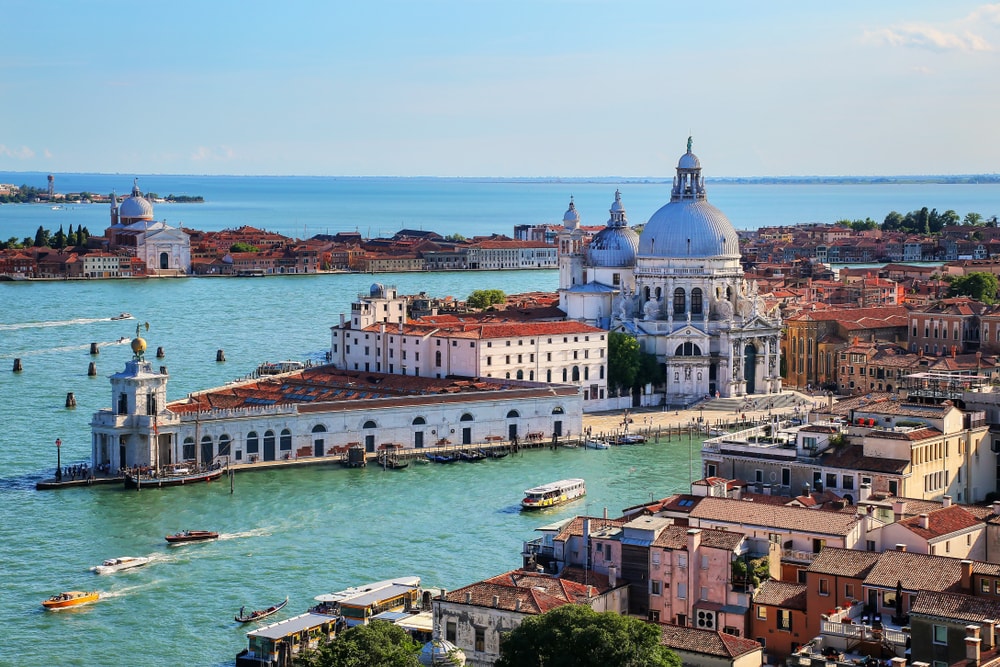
(941,522)
(706,642)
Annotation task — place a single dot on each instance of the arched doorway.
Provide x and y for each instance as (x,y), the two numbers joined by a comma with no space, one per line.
(512,425)
(206,449)
(466,430)
(269,445)
(319,444)
(369,437)
(750,368)
(164,260)
(418,434)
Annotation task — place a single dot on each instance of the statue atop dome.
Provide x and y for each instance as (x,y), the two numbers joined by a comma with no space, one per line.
(689,143)
(138,344)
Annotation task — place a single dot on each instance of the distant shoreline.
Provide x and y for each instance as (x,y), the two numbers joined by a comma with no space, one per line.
(944,179)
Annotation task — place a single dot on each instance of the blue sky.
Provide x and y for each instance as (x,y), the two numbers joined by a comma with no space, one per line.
(507,88)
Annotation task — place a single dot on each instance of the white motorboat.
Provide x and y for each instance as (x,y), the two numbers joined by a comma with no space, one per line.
(121,563)
(595,443)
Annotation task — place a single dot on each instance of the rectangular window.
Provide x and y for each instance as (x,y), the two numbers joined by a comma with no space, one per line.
(984,585)
(655,587)
(785,620)
(704,562)
(824,586)
(682,560)
(480,639)
(941,634)
(682,591)
(451,630)
(849,591)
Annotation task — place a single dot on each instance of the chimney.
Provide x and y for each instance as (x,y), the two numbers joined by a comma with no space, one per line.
(946,501)
(496,601)
(989,634)
(973,646)
(966,575)
(694,542)
(898,662)
(925,521)
(996,507)
(444,593)
(898,510)
(586,542)
(342,320)
(400,326)
(864,492)
(613,576)
(517,604)
(900,547)
(606,511)
(468,597)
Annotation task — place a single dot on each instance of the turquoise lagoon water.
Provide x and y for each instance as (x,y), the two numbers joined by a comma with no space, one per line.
(292,532)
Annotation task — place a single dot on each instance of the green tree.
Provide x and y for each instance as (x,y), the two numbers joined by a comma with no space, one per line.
(623,360)
(457,238)
(59,240)
(577,636)
(949,218)
(378,644)
(484,298)
(893,222)
(978,285)
(82,234)
(243,246)
(41,237)
(973,219)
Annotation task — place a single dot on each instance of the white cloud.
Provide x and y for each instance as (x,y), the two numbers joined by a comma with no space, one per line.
(217,154)
(962,34)
(18,153)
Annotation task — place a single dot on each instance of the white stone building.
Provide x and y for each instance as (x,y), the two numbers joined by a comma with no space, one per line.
(380,338)
(315,413)
(166,250)
(686,300)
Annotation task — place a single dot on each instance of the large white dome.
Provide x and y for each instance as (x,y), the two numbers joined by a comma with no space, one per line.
(135,207)
(689,226)
(616,244)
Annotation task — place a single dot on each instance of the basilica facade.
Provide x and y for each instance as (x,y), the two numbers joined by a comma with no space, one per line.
(679,289)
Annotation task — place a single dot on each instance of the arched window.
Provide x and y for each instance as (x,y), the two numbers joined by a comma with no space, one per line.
(659,293)
(467,418)
(253,443)
(679,300)
(513,414)
(548,375)
(531,376)
(688,349)
(370,424)
(576,373)
(586,372)
(188,451)
(419,421)
(285,441)
(557,411)
(224,443)
(268,443)
(520,374)
(565,375)
(206,449)
(696,301)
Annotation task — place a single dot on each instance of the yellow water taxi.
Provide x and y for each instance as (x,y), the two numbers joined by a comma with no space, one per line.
(71,599)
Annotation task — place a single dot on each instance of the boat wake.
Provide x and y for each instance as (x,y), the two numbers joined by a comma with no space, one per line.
(256,532)
(124,340)
(57,323)
(128,590)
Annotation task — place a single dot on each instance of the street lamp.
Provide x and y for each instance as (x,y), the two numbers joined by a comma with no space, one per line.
(58,460)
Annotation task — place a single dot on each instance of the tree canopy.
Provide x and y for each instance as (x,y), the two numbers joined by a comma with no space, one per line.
(978,285)
(577,636)
(243,246)
(628,365)
(378,644)
(484,298)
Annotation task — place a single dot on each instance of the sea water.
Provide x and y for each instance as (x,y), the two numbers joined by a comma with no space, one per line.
(298,532)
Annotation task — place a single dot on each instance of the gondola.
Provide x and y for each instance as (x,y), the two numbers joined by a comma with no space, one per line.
(258,614)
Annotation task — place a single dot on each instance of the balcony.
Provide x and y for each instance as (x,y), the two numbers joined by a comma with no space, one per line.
(798,556)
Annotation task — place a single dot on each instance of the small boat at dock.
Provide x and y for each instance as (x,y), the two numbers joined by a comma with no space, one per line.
(71,599)
(472,457)
(258,614)
(595,443)
(553,494)
(177,475)
(191,536)
(121,563)
(441,458)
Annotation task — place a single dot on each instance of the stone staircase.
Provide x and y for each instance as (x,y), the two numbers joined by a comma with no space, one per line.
(786,401)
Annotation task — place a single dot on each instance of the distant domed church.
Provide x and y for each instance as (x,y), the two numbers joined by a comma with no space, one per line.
(679,289)
(165,249)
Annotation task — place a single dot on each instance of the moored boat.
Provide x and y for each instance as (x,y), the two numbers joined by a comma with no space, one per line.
(258,614)
(120,563)
(595,443)
(192,536)
(71,599)
(441,458)
(175,476)
(472,457)
(554,493)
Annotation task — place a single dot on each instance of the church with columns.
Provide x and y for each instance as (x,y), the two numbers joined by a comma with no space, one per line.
(679,289)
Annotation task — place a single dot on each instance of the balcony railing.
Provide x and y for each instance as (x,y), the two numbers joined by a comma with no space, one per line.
(798,555)
(863,633)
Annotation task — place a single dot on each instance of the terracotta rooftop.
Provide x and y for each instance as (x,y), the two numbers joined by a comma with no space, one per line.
(916,572)
(325,385)
(853,458)
(956,606)
(940,522)
(784,594)
(530,592)
(774,516)
(844,562)
(706,642)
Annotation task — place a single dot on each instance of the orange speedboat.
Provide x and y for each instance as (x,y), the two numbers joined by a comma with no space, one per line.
(70,599)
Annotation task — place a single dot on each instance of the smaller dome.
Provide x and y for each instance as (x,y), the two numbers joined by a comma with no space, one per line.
(571,218)
(613,246)
(377,290)
(136,208)
(138,345)
(441,652)
(689,161)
